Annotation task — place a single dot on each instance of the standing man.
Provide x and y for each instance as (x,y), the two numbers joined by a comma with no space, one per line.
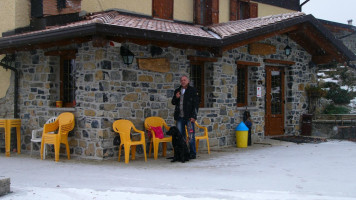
(186,103)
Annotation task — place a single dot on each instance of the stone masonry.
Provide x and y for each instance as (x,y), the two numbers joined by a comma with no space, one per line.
(108,90)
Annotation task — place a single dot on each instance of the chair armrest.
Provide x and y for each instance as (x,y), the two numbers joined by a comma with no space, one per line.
(51,127)
(35,133)
(166,126)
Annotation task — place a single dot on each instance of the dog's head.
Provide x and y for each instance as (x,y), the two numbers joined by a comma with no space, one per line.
(173,131)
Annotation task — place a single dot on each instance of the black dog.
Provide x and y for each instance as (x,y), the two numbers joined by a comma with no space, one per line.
(181,152)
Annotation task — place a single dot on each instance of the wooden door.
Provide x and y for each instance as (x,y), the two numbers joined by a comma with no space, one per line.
(274,117)
(162,9)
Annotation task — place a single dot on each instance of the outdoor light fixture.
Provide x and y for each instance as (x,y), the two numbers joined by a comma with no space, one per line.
(287,49)
(127,55)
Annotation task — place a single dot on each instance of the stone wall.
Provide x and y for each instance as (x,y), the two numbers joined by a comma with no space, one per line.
(108,90)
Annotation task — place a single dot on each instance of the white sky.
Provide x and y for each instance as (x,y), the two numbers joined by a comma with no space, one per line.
(332,10)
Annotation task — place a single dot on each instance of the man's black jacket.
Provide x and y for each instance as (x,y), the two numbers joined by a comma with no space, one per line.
(190,103)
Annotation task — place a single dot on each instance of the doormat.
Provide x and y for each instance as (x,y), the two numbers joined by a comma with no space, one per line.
(300,139)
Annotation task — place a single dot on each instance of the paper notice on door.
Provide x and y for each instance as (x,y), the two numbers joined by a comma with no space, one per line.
(259,91)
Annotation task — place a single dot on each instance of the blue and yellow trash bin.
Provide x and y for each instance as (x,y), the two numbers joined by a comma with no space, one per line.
(241,135)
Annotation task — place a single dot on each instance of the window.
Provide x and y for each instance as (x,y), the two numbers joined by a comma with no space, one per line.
(243,9)
(201,77)
(162,9)
(61,4)
(197,80)
(242,85)
(206,12)
(67,81)
(247,84)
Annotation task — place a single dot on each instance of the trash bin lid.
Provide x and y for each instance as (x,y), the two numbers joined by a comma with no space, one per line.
(241,127)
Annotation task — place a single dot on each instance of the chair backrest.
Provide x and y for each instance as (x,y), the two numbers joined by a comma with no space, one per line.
(66,122)
(154,121)
(123,127)
(202,127)
(51,120)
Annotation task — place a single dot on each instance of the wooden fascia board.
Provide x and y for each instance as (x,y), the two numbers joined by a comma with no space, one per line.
(240,62)
(201,59)
(258,38)
(283,62)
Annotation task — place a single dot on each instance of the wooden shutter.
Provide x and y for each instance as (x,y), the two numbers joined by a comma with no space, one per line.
(162,9)
(233,10)
(215,11)
(253,10)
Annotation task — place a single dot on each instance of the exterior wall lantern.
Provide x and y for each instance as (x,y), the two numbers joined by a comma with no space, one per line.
(127,55)
(287,49)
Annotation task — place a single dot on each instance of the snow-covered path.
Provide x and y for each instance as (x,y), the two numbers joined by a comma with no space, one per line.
(279,171)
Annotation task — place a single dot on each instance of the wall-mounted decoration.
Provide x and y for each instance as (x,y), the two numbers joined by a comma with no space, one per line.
(261,49)
(154,64)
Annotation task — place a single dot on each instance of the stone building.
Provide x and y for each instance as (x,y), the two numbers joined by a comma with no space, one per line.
(236,66)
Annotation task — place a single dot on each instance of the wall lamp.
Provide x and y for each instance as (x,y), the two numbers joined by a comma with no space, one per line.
(127,55)
(287,49)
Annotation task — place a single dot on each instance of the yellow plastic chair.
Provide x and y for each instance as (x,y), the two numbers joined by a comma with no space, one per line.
(205,136)
(64,123)
(123,127)
(3,124)
(36,137)
(7,124)
(157,122)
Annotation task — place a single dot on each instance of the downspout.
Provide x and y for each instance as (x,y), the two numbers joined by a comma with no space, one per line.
(5,65)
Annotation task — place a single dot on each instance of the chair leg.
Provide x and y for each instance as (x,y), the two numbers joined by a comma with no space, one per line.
(68,151)
(45,151)
(196,145)
(144,151)
(133,152)
(18,136)
(41,152)
(31,149)
(164,149)
(119,153)
(150,149)
(155,150)
(127,153)
(56,151)
(207,143)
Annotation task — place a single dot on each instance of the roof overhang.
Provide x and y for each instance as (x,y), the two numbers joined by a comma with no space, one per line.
(307,31)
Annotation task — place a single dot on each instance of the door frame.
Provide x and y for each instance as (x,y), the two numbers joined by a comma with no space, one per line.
(268,114)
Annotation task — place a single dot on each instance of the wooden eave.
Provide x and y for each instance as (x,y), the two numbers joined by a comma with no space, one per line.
(308,32)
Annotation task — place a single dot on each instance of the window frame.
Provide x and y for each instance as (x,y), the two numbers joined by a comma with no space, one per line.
(197,60)
(206,12)
(200,65)
(251,9)
(64,58)
(245,83)
(246,65)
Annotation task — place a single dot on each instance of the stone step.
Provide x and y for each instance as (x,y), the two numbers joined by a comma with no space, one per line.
(4,185)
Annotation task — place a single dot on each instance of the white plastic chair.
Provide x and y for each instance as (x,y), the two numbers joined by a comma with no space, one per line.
(36,137)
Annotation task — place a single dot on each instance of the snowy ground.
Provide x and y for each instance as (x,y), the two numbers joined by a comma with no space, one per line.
(279,171)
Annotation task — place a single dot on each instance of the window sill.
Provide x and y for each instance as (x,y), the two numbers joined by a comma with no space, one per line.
(247,108)
(63,109)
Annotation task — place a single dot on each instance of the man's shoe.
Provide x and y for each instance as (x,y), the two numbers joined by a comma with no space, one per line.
(192,156)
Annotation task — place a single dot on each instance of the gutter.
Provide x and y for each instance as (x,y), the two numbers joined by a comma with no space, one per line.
(16,95)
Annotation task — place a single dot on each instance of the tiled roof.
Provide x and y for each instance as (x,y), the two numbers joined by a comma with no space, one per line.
(231,28)
(117,19)
(114,18)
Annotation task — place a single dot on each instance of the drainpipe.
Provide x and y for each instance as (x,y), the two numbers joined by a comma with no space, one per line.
(4,63)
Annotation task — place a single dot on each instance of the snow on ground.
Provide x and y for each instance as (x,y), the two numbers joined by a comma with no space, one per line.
(269,170)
